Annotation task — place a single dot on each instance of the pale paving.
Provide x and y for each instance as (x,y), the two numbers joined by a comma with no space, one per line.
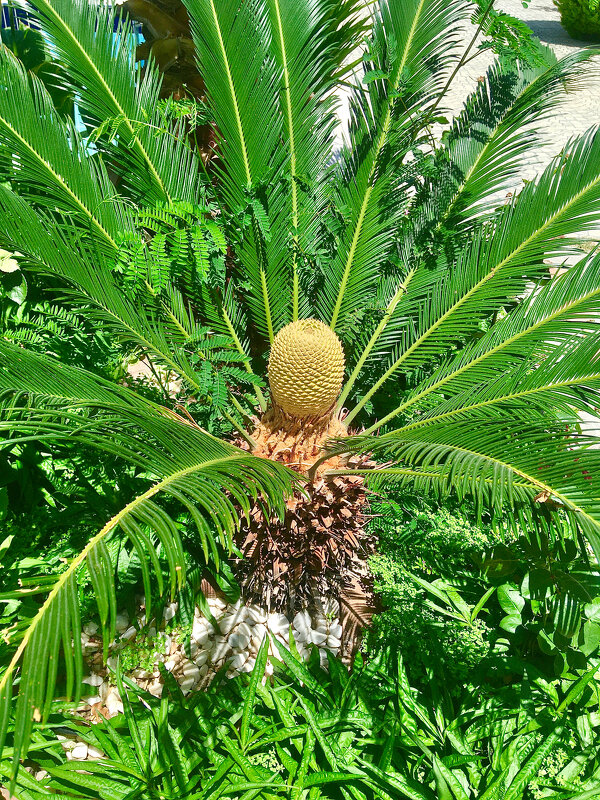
(580,109)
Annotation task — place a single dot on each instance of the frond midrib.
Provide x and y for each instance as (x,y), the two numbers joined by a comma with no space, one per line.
(488,353)
(234,99)
(293,158)
(138,143)
(545,487)
(78,561)
(579,380)
(413,473)
(65,186)
(402,289)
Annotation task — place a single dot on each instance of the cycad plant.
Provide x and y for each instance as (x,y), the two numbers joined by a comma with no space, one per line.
(334,322)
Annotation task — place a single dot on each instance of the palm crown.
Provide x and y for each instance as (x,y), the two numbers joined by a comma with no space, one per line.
(466,368)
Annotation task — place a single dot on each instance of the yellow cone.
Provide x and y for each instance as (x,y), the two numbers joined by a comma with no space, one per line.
(306,368)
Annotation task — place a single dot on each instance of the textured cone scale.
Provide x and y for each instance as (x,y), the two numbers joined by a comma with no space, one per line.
(306,368)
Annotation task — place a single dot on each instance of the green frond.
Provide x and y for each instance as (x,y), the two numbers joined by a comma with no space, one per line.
(100,69)
(242,82)
(501,462)
(478,157)
(564,385)
(553,329)
(159,327)
(495,268)
(310,40)
(482,152)
(49,165)
(211,480)
(411,46)
(241,79)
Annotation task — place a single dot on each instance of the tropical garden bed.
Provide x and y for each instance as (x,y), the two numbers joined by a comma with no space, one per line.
(298,452)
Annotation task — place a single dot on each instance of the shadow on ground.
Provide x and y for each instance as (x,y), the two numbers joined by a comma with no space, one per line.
(550,31)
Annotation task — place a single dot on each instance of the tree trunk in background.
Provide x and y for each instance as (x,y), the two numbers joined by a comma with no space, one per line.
(168,39)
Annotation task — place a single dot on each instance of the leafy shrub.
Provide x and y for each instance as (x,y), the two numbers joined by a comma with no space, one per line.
(466,602)
(325,733)
(549,594)
(420,542)
(581,18)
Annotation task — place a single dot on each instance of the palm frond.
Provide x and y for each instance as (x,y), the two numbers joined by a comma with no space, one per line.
(502,462)
(497,265)
(311,40)
(58,252)
(478,157)
(154,163)
(553,331)
(411,46)
(233,43)
(482,153)
(211,480)
(49,164)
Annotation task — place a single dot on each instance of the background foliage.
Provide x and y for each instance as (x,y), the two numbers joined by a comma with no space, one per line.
(581,18)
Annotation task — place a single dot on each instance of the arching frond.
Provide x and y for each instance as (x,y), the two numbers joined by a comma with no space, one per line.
(58,251)
(482,153)
(411,46)
(557,326)
(478,157)
(48,163)
(310,42)
(211,480)
(447,305)
(155,163)
(233,43)
(500,462)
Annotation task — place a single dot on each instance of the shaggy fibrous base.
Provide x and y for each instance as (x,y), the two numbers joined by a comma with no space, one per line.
(297,442)
(320,545)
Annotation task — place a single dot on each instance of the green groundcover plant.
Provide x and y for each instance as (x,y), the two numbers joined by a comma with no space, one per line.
(314,732)
(464,605)
(466,368)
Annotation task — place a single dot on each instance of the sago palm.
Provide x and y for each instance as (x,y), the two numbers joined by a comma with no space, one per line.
(367,318)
